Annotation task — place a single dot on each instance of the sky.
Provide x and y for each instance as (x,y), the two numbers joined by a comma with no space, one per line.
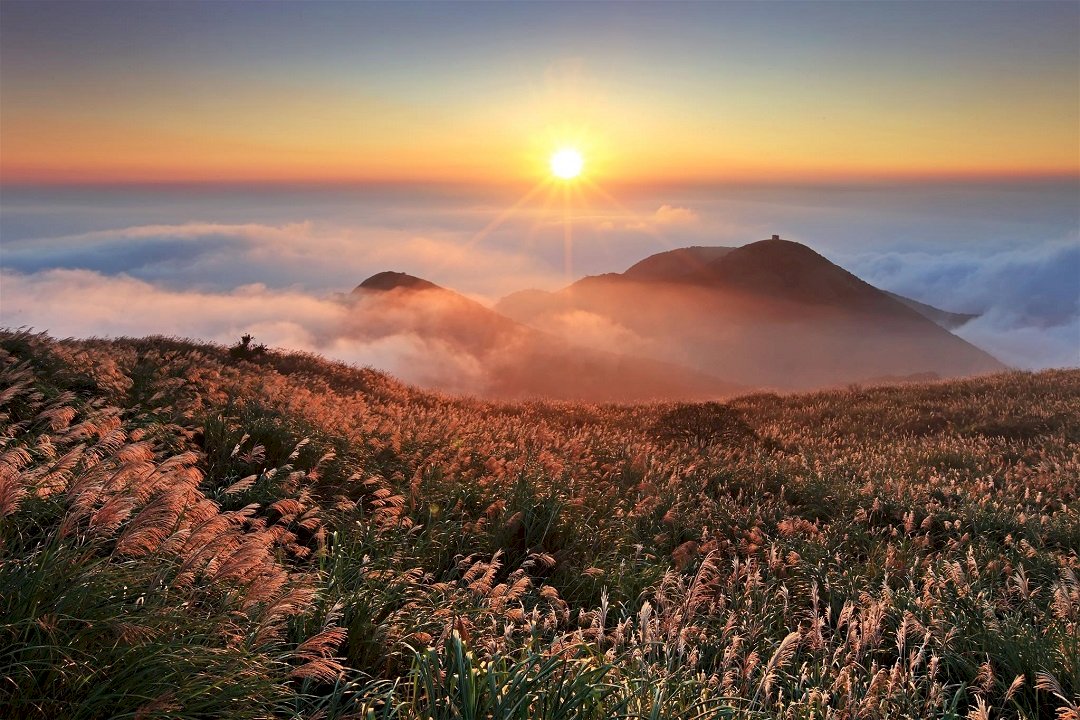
(459,92)
(205,169)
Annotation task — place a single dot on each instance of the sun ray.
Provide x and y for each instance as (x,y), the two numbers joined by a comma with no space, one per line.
(568,237)
(542,218)
(501,218)
(642,221)
(505,214)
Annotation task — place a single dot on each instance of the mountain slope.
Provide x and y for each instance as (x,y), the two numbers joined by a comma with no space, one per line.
(771,313)
(781,269)
(191,535)
(678,264)
(944,318)
(462,346)
(691,264)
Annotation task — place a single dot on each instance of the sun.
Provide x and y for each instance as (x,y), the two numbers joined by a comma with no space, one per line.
(567,163)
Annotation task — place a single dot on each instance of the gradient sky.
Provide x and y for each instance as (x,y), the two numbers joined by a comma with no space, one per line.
(483,92)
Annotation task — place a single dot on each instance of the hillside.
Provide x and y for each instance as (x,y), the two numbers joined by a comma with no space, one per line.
(192,532)
(472,349)
(770,314)
(944,318)
(677,265)
(693,263)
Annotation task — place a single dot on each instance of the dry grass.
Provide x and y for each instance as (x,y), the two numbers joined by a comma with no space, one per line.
(185,534)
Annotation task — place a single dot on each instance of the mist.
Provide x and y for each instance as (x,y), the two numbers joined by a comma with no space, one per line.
(280,263)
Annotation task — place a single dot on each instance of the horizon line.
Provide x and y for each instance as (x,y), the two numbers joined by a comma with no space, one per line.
(798,180)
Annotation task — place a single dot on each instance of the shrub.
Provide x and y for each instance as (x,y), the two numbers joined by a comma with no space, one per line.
(244,350)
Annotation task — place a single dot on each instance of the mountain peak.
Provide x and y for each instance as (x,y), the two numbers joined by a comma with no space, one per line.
(390,280)
(679,264)
(698,263)
(777,247)
(786,269)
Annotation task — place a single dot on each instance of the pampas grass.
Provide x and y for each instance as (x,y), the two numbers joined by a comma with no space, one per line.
(185,533)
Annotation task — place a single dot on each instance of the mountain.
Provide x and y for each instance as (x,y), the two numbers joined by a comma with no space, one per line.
(772,313)
(692,263)
(391,280)
(456,344)
(678,264)
(944,318)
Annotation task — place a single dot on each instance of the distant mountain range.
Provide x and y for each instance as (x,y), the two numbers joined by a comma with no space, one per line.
(691,323)
(500,357)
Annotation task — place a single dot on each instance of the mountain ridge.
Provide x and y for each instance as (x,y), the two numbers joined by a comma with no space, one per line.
(474,349)
(739,313)
(394,280)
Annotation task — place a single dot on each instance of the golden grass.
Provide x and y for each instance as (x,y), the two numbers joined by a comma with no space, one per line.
(293,537)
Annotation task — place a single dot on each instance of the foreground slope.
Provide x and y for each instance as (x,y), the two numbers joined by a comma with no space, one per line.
(772,313)
(188,532)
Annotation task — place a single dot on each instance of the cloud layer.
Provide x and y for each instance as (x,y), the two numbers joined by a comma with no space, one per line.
(222,256)
(86,303)
(272,264)
(1028,299)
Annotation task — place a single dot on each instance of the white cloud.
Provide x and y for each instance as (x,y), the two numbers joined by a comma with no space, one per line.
(1029,297)
(218,256)
(665,217)
(672,215)
(1022,345)
(83,303)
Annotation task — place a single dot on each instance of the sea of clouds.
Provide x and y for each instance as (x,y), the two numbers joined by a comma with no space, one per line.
(212,267)
(1028,299)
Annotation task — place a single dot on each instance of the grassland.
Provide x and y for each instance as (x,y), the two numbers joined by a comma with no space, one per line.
(185,533)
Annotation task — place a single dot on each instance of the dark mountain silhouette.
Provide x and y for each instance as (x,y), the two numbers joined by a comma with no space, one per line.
(391,280)
(781,269)
(467,347)
(692,264)
(771,313)
(681,264)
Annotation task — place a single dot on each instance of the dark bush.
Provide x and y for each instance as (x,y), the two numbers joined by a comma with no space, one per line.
(704,423)
(244,350)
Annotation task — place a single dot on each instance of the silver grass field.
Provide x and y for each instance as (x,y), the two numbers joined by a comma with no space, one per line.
(189,532)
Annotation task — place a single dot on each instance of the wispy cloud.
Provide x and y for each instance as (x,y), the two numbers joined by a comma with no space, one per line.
(217,256)
(665,217)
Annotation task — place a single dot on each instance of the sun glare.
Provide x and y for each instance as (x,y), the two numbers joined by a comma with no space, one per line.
(567,163)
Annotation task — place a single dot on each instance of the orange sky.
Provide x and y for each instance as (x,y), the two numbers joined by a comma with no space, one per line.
(659,102)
